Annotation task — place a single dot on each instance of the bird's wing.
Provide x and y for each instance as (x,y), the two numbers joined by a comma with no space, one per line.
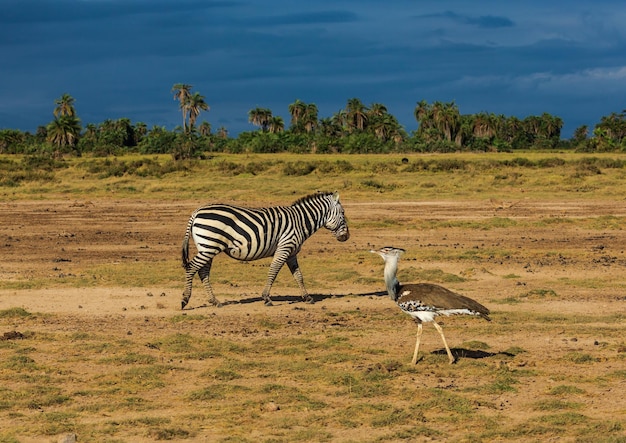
(435,296)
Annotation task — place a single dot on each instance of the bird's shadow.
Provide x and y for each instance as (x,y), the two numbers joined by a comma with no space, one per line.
(470,353)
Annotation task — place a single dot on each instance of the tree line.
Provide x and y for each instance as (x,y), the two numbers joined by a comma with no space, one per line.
(357,128)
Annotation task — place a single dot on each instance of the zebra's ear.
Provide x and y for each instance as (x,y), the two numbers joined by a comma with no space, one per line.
(336,196)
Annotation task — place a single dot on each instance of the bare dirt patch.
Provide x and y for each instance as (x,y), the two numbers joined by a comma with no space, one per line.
(90,354)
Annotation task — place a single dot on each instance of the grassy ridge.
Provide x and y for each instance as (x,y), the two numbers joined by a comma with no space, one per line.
(284,175)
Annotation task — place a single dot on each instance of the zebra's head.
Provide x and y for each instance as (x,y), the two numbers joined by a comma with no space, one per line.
(336,219)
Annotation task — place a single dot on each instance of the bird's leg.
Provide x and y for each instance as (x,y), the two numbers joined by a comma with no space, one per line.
(417,342)
(450,356)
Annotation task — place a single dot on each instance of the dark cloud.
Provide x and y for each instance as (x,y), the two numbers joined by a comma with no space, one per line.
(306,19)
(120,58)
(62,11)
(482,21)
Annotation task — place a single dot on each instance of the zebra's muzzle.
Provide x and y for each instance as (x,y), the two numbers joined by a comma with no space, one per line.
(342,236)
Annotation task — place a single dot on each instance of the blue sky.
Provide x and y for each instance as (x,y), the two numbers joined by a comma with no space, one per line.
(120,58)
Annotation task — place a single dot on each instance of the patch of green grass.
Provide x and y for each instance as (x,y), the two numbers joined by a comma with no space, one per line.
(511,276)
(565,390)
(503,381)
(20,363)
(359,385)
(8,437)
(507,301)
(555,405)
(539,293)
(394,417)
(130,358)
(15,313)
(428,275)
(217,391)
(266,323)
(515,350)
(442,400)
(170,433)
(223,374)
(187,317)
(579,358)
(475,344)
(564,419)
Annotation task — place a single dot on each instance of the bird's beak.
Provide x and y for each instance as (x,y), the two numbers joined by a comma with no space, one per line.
(377,252)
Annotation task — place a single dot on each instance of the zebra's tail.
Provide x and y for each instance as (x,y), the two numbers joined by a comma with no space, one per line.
(185,248)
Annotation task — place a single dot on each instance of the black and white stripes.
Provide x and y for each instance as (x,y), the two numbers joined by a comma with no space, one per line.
(254,233)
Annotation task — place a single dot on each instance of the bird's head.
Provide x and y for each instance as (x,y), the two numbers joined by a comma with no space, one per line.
(388,252)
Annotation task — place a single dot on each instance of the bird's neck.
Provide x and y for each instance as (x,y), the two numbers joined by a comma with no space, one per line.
(391,281)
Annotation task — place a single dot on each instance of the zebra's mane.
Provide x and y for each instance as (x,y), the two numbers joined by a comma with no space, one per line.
(310,197)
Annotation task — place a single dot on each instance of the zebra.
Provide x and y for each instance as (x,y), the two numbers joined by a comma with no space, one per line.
(253,233)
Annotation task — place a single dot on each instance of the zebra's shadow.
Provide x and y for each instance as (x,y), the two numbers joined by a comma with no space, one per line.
(292,299)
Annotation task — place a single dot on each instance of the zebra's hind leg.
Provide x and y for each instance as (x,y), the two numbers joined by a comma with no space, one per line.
(292,263)
(204,272)
(190,271)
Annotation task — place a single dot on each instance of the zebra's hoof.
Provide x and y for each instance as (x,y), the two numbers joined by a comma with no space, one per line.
(183,304)
(269,303)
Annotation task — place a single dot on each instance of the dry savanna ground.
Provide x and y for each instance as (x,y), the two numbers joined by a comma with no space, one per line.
(93,342)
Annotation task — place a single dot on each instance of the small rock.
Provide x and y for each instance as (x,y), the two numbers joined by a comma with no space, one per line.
(270,407)
(68,438)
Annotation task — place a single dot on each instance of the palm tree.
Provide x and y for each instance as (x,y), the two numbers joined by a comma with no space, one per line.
(276,124)
(297,110)
(329,127)
(63,131)
(483,125)
(65,106)
(449,120)
(309,118)
(204,129)
(260,117)
(580,134)
(339,121)
(357,114)
(465,130)
(551,126)
(42,133)
(182,92)
(195,104)
(222,132)
(423,116)
(377,109)
(141,129)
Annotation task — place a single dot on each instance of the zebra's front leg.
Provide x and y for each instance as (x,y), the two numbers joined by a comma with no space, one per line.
(292,263)
(204,272)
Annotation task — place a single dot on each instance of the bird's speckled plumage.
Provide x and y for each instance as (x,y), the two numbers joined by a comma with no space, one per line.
(425,301)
